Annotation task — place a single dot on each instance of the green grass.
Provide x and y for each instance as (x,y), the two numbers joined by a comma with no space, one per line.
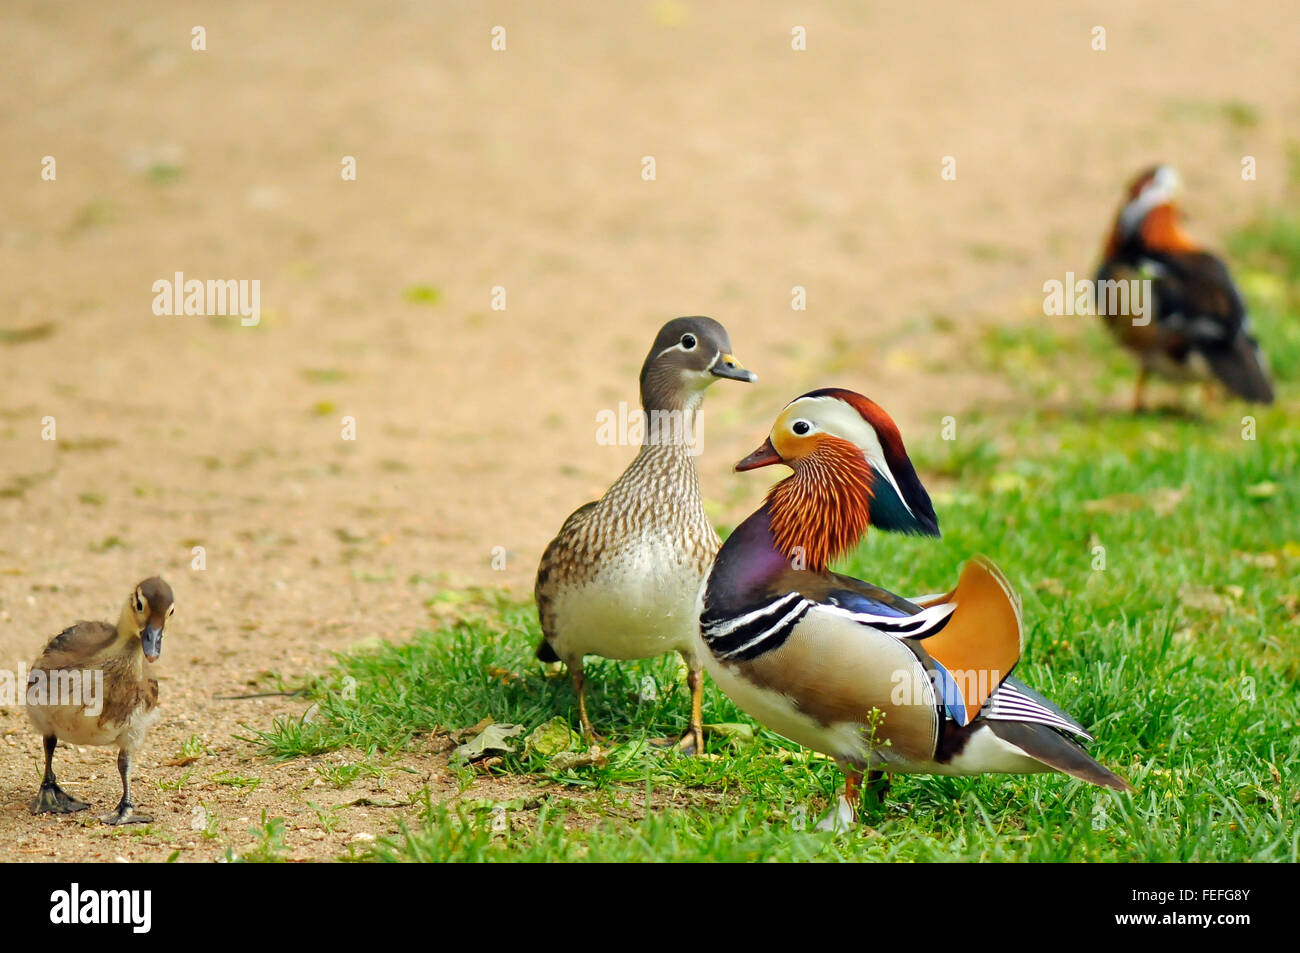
(1182,656)
(268,846)
(235,780)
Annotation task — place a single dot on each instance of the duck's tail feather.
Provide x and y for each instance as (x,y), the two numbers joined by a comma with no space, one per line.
(1056,751)
(1242,369)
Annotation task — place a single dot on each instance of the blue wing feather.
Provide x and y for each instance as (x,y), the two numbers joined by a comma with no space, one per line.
(861,602)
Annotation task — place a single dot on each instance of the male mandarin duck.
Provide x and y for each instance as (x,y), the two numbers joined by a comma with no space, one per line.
(622,577)
(811,653)
(1197,327)
(89,687)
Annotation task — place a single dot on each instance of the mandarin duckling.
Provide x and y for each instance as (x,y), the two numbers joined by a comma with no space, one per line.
(814,654)
(90,687)
(1196,327)
(622,577)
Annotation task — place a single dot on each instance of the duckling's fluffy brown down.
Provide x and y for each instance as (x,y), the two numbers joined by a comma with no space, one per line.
(89,687)
(129,699)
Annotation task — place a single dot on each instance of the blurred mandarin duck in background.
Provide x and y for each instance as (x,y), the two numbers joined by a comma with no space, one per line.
(1196,326)
(810,653)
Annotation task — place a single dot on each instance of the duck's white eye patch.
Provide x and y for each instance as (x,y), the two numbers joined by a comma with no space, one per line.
(688,342)
(801,427)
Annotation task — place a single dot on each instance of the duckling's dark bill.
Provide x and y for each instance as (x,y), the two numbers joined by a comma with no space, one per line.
(151,643)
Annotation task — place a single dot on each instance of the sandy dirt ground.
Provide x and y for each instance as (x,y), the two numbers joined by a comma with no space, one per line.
(475,427)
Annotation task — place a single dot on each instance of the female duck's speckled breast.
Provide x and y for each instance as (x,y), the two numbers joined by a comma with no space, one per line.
(634,594)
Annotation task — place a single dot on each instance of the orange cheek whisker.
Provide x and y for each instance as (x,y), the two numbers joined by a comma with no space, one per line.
(1161,231)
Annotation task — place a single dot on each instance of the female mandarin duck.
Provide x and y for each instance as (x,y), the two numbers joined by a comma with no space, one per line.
(622,577)
(811,653)
(1196,328)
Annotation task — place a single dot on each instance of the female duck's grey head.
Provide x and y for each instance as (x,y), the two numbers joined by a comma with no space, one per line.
(687,356)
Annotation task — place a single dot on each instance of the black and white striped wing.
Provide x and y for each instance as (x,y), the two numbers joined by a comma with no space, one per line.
(765,627)
(758,629)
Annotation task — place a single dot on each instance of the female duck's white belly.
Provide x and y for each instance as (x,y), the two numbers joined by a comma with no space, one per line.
(638,603)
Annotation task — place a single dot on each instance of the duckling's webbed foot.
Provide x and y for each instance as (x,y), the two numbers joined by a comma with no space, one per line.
(125,814)
(52,799)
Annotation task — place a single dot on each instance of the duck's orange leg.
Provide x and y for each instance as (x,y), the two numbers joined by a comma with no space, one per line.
(853,791)
(580,686)
(1139,392)
(691,743)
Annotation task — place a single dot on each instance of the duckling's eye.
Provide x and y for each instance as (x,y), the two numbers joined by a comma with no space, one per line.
(688,342)
(139,603)
(171,611)
(801,427)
